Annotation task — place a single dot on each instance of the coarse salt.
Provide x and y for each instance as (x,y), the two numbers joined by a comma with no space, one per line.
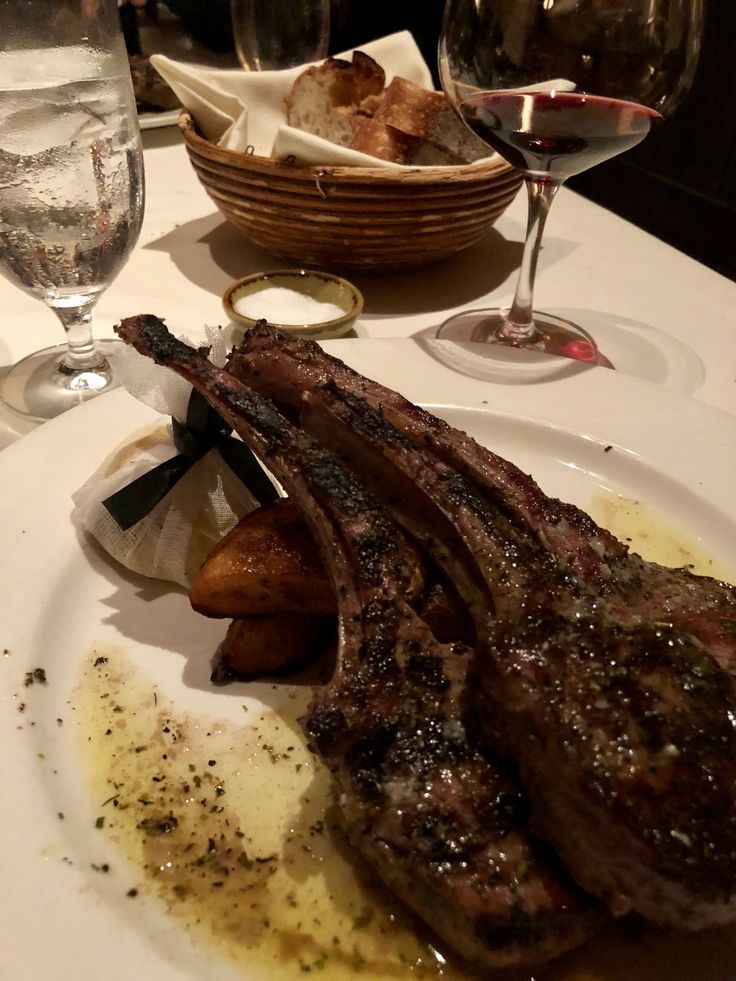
(279,305)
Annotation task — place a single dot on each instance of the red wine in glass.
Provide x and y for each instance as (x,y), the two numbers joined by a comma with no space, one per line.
(556,87)
(556,134)
(550,134)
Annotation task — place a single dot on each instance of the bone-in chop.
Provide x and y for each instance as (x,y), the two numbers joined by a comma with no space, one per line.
(607,679)
(434,812)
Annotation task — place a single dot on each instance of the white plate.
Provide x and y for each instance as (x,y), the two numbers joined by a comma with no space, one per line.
(591,431)
(156,120)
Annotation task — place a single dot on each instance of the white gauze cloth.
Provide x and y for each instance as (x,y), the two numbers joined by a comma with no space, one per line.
(171,541)
(238,109)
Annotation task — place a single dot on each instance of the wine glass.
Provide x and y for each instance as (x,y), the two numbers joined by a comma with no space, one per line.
(275,34)
(557,86)
(71,185)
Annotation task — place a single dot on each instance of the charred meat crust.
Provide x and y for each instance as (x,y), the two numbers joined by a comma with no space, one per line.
(438,817)
(286,367)
(597,673)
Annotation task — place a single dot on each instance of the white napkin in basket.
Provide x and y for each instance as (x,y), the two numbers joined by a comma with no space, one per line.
(238,109)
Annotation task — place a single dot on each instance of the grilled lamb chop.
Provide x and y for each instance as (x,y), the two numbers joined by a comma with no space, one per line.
(284,367)
(614,705)
(437,817)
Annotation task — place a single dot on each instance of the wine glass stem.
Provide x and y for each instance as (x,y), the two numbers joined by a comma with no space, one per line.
(81,353)
(519,322)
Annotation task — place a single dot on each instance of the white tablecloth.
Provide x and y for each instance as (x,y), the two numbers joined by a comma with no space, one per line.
(654,311)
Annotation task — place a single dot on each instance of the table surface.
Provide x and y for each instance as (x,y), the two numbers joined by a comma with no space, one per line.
(655,312)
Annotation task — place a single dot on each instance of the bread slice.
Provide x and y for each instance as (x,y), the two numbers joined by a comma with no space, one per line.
(325,98)
(388,143)
(381,141)
(348,103)
(428,116)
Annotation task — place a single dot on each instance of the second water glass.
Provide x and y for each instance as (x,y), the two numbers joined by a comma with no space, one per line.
(275,34)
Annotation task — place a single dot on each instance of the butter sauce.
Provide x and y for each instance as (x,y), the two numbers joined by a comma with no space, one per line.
(652,537)
(233,829)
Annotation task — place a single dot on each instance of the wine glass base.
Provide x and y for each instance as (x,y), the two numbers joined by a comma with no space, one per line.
(41,386)
(555,336)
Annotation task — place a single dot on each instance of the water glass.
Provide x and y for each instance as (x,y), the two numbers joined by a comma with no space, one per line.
(71,184)
(274,34)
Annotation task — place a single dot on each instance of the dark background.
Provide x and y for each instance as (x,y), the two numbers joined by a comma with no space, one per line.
(680,183)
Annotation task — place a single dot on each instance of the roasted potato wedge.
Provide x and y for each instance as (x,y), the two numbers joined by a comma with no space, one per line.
(257,646)
(267,564)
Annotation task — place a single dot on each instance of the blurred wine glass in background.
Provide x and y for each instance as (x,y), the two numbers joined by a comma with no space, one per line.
(71,185)
(275,34)
(557,86)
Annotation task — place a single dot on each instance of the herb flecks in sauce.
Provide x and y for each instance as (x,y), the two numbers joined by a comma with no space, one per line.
(232,827)
(37,676)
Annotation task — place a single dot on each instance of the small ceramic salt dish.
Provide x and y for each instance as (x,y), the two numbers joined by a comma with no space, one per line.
(310,304)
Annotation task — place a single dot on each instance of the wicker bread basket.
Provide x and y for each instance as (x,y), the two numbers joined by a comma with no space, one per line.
(371,219)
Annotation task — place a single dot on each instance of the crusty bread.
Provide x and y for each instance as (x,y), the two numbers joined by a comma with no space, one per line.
(430,117)
(388,143)
(410,108)
(381,141)
(347,102)
(324,98)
